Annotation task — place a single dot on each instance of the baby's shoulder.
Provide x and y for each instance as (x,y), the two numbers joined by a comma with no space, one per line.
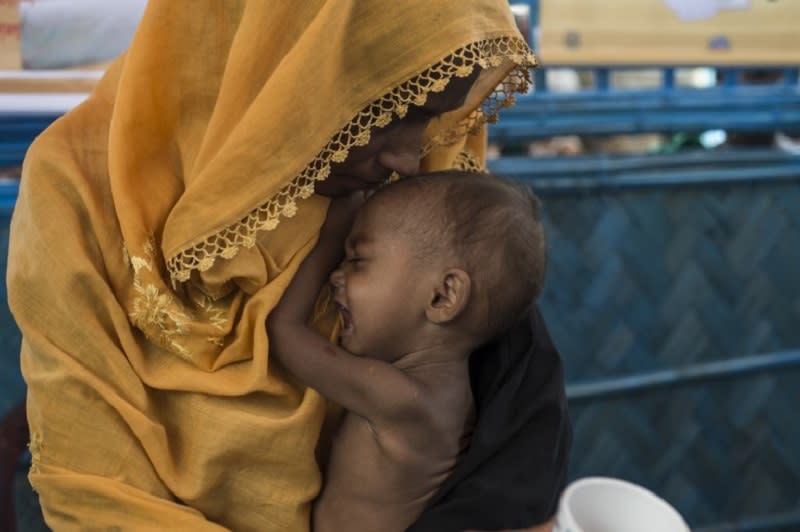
(439,412)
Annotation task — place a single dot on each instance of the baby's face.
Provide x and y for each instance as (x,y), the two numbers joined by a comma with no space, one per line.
(380,288)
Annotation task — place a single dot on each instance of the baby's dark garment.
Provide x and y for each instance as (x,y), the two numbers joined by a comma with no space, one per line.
(516,465)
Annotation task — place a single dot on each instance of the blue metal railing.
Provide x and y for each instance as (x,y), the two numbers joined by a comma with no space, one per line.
(733,104)
(591,172)
(645,382)
(606,112)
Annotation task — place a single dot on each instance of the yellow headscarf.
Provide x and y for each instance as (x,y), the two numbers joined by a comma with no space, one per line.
(161,220)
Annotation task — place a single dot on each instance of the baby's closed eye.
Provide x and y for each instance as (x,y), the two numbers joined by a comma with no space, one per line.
(355,261)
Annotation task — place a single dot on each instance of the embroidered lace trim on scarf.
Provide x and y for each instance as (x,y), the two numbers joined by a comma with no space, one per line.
(468,162)
(486,54)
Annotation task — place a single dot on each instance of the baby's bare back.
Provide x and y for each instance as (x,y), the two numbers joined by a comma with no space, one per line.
(380,477)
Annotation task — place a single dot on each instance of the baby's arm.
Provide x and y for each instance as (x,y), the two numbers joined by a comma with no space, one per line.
(362,385)
(297,303)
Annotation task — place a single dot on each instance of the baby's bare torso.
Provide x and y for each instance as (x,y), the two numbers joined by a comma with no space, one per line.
(380,476)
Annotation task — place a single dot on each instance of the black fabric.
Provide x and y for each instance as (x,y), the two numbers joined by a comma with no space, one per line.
(515,468)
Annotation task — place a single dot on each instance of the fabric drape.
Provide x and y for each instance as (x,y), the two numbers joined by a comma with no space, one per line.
(160,221)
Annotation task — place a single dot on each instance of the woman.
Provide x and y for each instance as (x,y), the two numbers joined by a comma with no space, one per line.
(160,221)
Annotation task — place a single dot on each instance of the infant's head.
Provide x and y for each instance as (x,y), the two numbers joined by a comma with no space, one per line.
(443,256)
(484,225)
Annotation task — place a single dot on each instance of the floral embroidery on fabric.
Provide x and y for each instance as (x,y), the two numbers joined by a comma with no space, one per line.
(485,54)
(214,315)
(156,313)
(35,447)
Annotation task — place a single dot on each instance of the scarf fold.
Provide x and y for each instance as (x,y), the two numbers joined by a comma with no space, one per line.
(160,221)
(208,158)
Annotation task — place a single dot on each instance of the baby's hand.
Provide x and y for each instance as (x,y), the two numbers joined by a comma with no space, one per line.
(341,213)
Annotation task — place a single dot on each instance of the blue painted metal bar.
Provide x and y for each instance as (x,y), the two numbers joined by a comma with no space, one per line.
(791,76)
(659,178)
(9,190)
(512,130)
(21,115)
(540,81)
(602,79)
(755,93)
(22,129)
(26,122)
(678,95)
(668,78)
(12,153)
(730,368)
(8,198)
(763,94)
(730,77)
(743,108)
(613,166)
(639,66)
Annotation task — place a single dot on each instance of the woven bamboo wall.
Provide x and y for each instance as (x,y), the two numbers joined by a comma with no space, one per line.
(643,279)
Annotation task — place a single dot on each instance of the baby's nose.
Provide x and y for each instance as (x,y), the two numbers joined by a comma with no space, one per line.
(337,278)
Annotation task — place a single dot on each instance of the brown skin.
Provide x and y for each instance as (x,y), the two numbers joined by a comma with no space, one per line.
(406,387)
(406,383)
(385,292)
(396,147)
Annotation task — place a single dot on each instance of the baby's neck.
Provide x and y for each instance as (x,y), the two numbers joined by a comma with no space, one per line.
(435,355)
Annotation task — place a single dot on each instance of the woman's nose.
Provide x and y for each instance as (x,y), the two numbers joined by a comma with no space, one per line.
(401,152)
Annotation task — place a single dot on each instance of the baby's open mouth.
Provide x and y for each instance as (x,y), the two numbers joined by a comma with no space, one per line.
(345,319)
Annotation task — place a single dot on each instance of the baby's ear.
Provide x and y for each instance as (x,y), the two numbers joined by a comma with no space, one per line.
(450,297)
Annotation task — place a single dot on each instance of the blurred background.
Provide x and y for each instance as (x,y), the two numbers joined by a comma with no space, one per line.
(664,139)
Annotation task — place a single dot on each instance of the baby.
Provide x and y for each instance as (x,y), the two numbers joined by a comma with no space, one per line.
(435,265)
